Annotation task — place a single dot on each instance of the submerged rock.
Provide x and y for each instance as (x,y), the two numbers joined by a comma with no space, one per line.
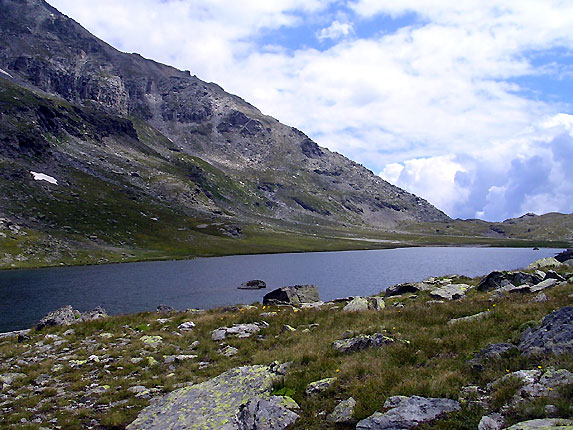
(555,335)
(408,412)
(216,404)
(294,295)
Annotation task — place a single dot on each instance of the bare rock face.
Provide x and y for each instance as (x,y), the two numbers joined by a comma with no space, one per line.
(294,295)
(235,400)
(408,412)
(555,335)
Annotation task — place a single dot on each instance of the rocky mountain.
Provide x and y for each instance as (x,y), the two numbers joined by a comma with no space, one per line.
(76,109)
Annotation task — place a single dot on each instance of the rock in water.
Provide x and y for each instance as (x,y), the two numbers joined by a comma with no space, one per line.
(555,335)
(255,284)
(294,295)
(230,401)
(408,412)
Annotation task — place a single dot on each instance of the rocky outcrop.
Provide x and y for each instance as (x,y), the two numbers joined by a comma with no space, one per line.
(544,262)
(255,284)
(408,412)
(554,336)
(293,295)
(68,315)
(361,342)
(236,399)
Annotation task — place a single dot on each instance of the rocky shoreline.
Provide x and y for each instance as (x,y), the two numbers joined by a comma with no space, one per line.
(297,362)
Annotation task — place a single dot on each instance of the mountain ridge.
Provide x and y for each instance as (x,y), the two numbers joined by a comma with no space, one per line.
(125,136)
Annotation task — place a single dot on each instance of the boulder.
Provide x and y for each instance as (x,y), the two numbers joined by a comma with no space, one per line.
(408,412)
(491,352)
(63,316)
(361,342)
(545,262)
(450,292)
(564,256)
(555,335)
(408,287)
(496,280)
(255,284)
(544,424)
(473,317)
(238,330)
(293,295)
(165,310)
(359,304)
(186,326)
(319,386)
(264,414)
(94,314)
(554,275)
(217,404)
(494,421)
(343,412)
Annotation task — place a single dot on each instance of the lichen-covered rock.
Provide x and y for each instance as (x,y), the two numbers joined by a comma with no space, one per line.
(360,342)
(293,295)
(94,314)
(408,412)
(264,414)
(343,412)
(544,424)
(555,335)
(319,386)
(213,404)
(450,292)
(152,341)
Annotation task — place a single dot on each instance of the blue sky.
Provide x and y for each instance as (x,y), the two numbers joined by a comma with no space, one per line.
(465,103)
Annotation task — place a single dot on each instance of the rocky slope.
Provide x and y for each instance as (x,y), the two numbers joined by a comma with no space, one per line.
(89,116)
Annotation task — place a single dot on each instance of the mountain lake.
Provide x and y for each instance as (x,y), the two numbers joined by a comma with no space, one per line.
(202,283)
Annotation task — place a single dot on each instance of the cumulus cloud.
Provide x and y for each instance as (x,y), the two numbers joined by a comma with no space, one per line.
(435,104)
(336,30)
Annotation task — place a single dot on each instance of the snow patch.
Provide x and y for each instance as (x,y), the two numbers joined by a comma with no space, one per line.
(43,177)
(6,73)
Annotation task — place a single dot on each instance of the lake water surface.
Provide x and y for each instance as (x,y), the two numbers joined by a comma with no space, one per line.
(27,295)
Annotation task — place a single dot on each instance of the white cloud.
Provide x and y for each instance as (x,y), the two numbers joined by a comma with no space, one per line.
(336,30)
(437,97)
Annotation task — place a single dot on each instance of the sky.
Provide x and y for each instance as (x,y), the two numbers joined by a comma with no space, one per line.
(468,104)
